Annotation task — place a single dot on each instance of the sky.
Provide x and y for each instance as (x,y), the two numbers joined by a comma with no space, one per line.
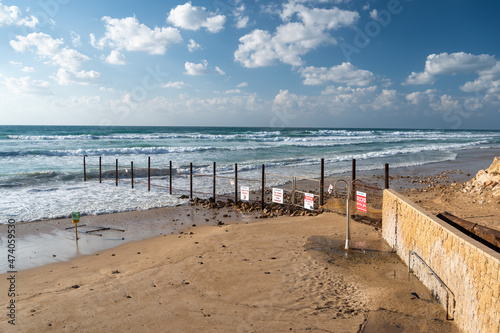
(293,63)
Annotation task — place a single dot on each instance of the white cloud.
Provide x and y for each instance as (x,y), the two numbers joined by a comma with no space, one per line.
(27,69)
(50,49)
(11,15)
(345,73)
(201,69)
(422,98)
(75,39)
(240,18)
(233,91)
(193,46)
(16,63)
(419,78)
(242,84)
(450,64)
(488,82)
(374,14)
(445,103)
(388,100)
(116,58)
(26,85)
(175,84)
(193,18)
(292,40)
(65,77)
(128,34)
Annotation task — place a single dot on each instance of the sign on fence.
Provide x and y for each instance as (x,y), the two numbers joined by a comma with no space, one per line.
(278,195)
(245,193)
(309,201)
(361,201)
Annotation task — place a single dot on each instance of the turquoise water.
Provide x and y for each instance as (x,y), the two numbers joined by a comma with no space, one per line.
(41,172)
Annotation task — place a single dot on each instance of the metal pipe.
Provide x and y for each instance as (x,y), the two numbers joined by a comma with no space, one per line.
(170,176)
(348,221)
(445,287)
(132,173)
(387,175)
(214,181)
(100,169)
(116,172)
(263,186)
(149,173)
(84,169)
(191,181)
(322,182)
(235,183)
(353,178)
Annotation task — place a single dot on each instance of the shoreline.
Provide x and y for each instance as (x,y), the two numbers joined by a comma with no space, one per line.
(46,241)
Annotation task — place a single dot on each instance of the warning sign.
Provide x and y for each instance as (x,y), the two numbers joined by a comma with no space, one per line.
(245,193)
(361,201)
(309,201)
(278,195)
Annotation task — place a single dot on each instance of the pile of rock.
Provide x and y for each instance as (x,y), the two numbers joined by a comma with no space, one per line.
(486,181)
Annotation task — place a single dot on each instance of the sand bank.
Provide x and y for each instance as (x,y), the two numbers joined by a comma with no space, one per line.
(284,274)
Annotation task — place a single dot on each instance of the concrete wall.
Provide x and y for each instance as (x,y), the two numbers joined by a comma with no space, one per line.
(469,269)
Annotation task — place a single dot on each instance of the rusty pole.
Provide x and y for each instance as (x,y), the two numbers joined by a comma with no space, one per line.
(149,173)
(170,181)
(322,182)
(116,172)
(214,181)
(387,175)
(84,169)
(235,183)
(132,173)
(191,181)
(263,186)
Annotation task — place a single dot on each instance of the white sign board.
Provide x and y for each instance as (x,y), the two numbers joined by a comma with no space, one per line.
(278,195)
(309,201)
(361,201)
(245,193)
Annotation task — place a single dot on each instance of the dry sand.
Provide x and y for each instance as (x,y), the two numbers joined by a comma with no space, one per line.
(284,274)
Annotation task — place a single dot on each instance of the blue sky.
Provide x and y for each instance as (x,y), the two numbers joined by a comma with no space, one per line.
(318,63)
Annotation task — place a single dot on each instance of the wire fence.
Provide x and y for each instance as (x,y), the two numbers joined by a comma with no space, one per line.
(312,193)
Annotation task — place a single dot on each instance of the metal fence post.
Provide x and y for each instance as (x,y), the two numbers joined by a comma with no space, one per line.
(387,175)
(116,172)
(214,180)
(235,183)
(353,178)
(322,182)
(170,174)
(132,173)
(100,169)
(191,181)
(263,186)
(149,173)
(84,169)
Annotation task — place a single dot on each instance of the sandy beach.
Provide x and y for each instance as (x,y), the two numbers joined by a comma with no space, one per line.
(272,275)
(190,269)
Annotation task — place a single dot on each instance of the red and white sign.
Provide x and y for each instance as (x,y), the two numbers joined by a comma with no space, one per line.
(245,193)
(309,201)
(278,195)
(361,201)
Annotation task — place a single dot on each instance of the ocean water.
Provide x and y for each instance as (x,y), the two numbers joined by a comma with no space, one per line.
(41,167)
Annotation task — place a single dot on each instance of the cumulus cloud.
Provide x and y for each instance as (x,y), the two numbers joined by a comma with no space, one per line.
(240,17)
(175,84)
(11,15)
(193,46)
(450,64)
(346,73)
(421,97)
(201,69)
(75,39)
(26,85)
(292,39)
(54,52)
(191,17)
(27,69)
(65,77)
(116,58)
(51,49)
(242,84)
(131,35)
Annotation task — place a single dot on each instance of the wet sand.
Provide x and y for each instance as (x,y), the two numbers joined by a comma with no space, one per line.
(284,274)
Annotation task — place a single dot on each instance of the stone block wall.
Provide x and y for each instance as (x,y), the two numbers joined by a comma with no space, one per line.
(467,269)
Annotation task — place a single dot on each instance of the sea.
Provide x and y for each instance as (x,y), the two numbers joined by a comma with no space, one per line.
(42,174)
